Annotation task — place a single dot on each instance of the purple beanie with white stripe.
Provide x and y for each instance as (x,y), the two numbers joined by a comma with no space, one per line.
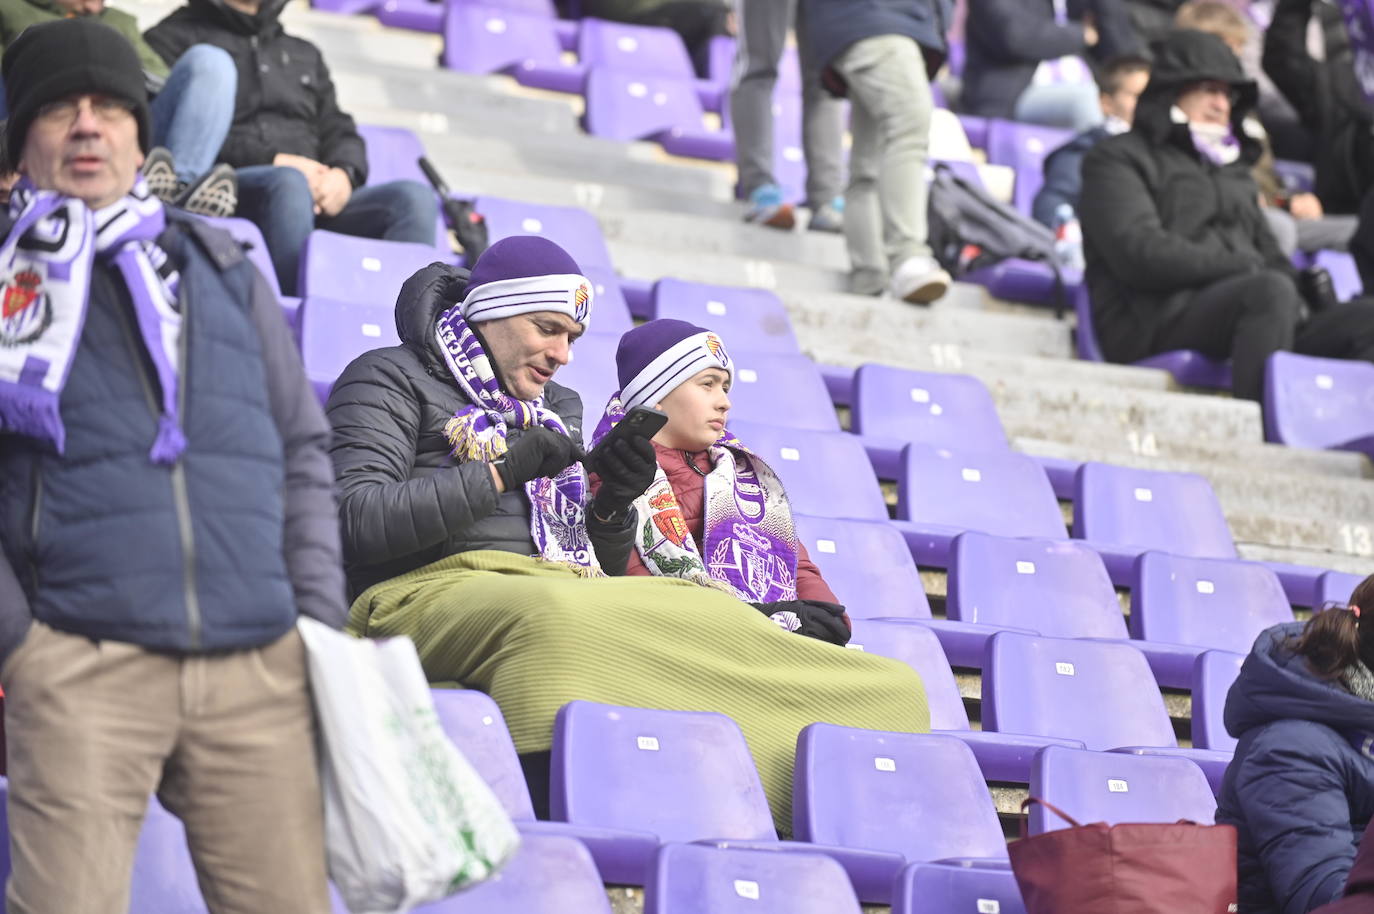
(525,273)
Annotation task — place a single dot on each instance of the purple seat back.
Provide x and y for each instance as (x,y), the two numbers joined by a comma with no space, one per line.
(786,388)
(164,878)
(1116,787)
(1024,147)
(1056,587)
(632,106)
(1094,691)
(682,775)
(349,268)
(1214,603)
(946,410)
(916,646)
(610,312)
(549,874)
(481,38)
(644,50)
(1187,366)
(592,374)
(393,154)
(847,551)
(1213,674)
(1335,587)
(334,333)
(827,474)
(1084,336)
(249,236)
(918,795)
(1150,509)
(742,316)
(690,878)
(1317,403)
(1003,493)
(573,229)
(925,887)
(720,60)
(1344,274)
(475,725)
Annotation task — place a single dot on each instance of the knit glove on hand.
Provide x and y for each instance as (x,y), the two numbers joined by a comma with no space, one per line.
(812,618)
(538,452)
(626,470)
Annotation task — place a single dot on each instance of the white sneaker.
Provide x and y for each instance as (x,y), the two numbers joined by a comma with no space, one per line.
(919,280)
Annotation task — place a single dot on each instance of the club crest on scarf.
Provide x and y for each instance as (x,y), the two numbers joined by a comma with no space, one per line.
(25,311)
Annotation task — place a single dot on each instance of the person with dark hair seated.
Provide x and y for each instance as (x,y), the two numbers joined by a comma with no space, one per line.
(1300,790)
(469,526)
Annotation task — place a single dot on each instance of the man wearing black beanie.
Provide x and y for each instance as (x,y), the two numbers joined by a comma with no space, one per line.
(153,559)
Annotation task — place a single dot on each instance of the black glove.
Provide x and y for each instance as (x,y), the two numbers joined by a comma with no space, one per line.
(626,470)
(819,619)
(538,452)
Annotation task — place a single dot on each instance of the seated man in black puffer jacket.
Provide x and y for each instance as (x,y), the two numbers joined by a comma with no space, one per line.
(1179,255)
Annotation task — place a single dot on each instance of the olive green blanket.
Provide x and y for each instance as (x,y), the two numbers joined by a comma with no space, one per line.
(535,636)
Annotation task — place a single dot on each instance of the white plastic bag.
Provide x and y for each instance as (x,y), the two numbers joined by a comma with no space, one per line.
(407,819)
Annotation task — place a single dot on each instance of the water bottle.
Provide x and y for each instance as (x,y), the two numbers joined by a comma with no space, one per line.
(1068,238)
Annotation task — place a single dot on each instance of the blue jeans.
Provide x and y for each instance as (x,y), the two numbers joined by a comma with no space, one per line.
(278,200)
(1072,105)
(192,113)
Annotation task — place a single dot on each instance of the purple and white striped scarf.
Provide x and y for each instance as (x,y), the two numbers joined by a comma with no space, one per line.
(558,521)
(45,277)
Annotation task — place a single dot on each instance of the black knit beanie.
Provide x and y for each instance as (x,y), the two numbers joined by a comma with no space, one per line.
(52,60)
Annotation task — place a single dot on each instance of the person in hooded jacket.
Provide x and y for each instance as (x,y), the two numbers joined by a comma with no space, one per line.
(1300,789)
(301,163)
(1179,255)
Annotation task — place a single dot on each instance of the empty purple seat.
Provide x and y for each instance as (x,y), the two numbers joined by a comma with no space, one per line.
(756,317)
(690,879)
(1114,787)
(417,15)
(1189,367)
(1345,276)
(893,406)
(782,388)
(976,129)
(592,374)
(393,153)
(647,50)
(349,268)
(250,239)
(951,887)
(1319,403)
(344,7)
(334,333)
(549,874)
(572,228)
(1123,512)
(1335,587)
(1213,674)
(1024,147)
(1192,605)
(893,798)
(610,313)
(848,551)
(941,493)
(632,106)
(480,38)
(826,473)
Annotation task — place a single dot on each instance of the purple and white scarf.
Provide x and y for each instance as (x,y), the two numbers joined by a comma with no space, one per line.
(558,522)
(1359,24)
(749,542)
(45,278)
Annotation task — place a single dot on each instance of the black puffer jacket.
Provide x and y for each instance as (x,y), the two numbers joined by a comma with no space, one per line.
(285,101)
(403,502)
(1159,219)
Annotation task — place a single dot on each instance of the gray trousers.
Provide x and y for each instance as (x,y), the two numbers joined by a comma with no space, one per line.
(762,27)
(885,203)
(1330,233)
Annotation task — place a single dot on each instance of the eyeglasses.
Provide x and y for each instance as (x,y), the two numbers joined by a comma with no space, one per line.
(63,113)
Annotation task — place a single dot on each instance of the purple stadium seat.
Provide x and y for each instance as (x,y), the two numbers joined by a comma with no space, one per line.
(826,473)
(610,313)
(648,50)
(891,799)
(417,15)
(976,129)
(1114,787)
(631,106)
(250,239)
(1001,756)
(720,60)
(482,38)
(334,333)
(1213,674)
(1335,587)
(1295,176)
(344,7)
(690,879)
(948,887)
(1099,692)
(1024,147)
(782,388)
(592,374)
(1319,403)
(941,493)
(572,228)
(894,406)
(393,153)
(549,874)
(1189,368)
(1191,605)
(848,551)
(349,268)
(744,317)
(1344,275)
(1123,512)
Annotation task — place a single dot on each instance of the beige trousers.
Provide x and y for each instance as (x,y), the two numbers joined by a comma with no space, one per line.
(226,740)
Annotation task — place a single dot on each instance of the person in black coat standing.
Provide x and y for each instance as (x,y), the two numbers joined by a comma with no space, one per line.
(1179,255)
(301,163)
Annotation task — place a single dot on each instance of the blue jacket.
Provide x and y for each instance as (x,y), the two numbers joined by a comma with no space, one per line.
(1297,791)
(831,26)
(219,551)
(1064,176)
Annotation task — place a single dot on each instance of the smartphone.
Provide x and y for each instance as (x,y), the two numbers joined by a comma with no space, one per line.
(639,422)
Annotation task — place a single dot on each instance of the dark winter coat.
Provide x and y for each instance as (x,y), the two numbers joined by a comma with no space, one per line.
(1064,176)
(221,550)
(1298,792)
(285,102)
(1160,220)
(403,502)
(831,26)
